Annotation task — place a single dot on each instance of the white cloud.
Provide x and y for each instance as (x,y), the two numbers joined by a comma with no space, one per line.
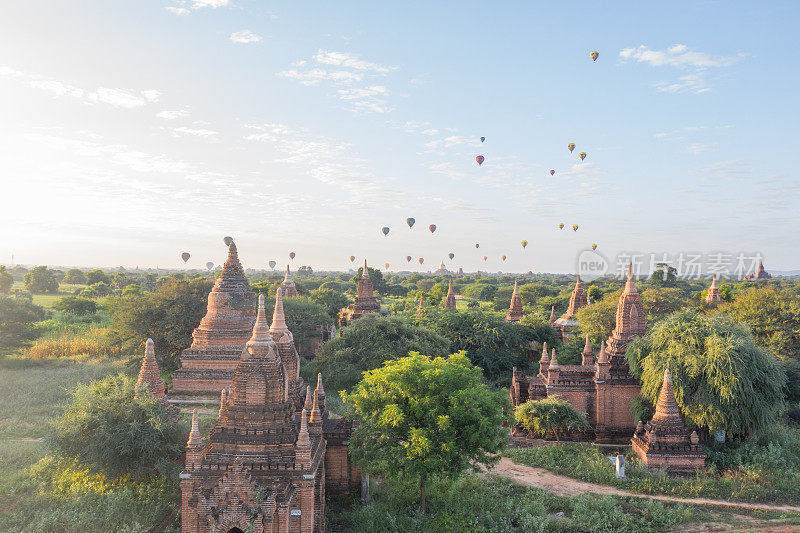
(172,114)
(358,93)
(120,97)
(342,59)
(245,36)
(699,148)
(199,132)
(678,56)
(695,83)
(314,76)
(184,7)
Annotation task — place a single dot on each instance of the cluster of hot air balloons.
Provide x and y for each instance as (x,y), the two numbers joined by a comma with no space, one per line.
(574,226)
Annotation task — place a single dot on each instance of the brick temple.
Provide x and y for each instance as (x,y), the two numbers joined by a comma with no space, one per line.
(760,273)
(566,324)
(450,299)
(207,366)
(714,296)
(150,375)
(600,387)
(665,442)
(288,288)
(365,300)
(515,312)
(268,464)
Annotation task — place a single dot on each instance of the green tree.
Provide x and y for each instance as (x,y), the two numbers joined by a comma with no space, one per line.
(6,280)
(419,417)
(594,293)
(370,341)
(97,276)
(722,380)
(375,275)
(598,319)
(664,275)
(74,276)
(330,299)
(18,319)
(660,302)
(105,429)
(551,415)
(305,319)
(40,280)
(76,305)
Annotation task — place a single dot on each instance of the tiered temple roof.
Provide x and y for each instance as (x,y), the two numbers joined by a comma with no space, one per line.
(665,442)
(630,322)
(515,312)
(149,374)
(450,300)
(714,296)
(420,306)
(365,299)
(760,273)
(577,300)
(287,286)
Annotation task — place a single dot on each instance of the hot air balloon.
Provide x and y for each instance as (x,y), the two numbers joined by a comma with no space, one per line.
(385,230)
(210,265)
(451,255)
(480,159)
(272,264)
(524,243)
(477,245)
(594,56)
(410,221)
(291,255)
(228,241)
(352,258)
(503,257)
(574,227)
(483,139)
(594,246)
(421,260)
(571,147)
(485,258)
(185,256)
(386,266)
(432,227)
(408,259)
(552,172)
(561,226)
(582,155)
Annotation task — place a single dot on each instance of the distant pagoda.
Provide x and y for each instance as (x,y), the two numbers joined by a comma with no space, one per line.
(566,323)
(150,375)
(714,296)
(450,299)
(760,273)
(287,286)
(515,311)
(365,300)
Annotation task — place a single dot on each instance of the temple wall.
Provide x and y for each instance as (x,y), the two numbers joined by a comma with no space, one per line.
(341,475)
(613,405)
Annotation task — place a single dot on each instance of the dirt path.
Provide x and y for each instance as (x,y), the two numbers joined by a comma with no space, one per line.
(565,486)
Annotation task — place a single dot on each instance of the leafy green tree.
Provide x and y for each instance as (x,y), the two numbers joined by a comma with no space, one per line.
(305,319)
(660,302)
(40,280)
(330,299)
(722,380)
(6,280)
(74,276)
(168,315)
(480,291)
(421,417)
(598,319)
(18,321)
(532,292)
(375,275)
(502,298)
(109,431)
(97,276)
(664,276)
(551,415)
(370,341)
(594,293)
(75,305)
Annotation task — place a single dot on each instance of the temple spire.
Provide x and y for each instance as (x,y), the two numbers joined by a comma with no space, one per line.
(602,356)
(553,360)
(278,318)
(309,400)
(223,403)
(194,435)
(552,318)
(450,300)
(420,306)
(667,407)
(261,343)
(320,392)
(630,284)
(515,311)
(587,357)
(365,273)
(149,374)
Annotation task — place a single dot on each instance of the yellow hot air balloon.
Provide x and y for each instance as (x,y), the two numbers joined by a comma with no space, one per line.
(524,243)
(352,258)
(594,246)
(561,226)
(386,265)
(594,56)
(571,147)
(582,155)
(574,227)
(421,260)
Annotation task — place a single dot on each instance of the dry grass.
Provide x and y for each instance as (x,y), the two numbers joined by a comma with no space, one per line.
(92,343)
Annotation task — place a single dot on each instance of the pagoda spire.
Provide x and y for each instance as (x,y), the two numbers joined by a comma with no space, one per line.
(667,407)
(420,306)
(515,311)
(261,343)
(309,405)
(630,321)
(553,360)
(450,300)
(195,439)
(552,318)
(714,295)
(587,355)
(223,403)
(365,273)
(278,327)
(602,356)
(303,445)
(320,393)
(149,374)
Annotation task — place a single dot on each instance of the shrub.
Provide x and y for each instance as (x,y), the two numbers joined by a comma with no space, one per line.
(551,415)
(17,321)
(74,276)
(83,344)
(40,280)
(78,306)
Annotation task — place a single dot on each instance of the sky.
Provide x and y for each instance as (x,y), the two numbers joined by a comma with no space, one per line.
(131,132)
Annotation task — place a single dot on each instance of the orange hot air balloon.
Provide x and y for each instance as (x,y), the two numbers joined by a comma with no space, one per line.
(582,155)
(485,258)
(421,260)
(571,147)
(291,255)
(408,258)
(386,266)
(352,258)
(594,56)
(552,172)
(480,159)
(185,256)
(594,246)
(502,257)
(574,227)
(524,244)
(561,226)
(432,227)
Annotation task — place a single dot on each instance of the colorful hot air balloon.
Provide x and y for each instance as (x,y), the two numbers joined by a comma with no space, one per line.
(524,243)
(386,266)
(410,221)
(210,265)
(571,147)
(291,255)
(561,226)
(228,241)
(503,257)
(185,256)
(352,258)
(432,227)
(480,159)
(582,155)
(483,139)
(477,245)
(408,259)
(421,260)
(552,172)
(574,227)
(385,230)
(485,258)
(272,264)
(594,56)
(451,255)
(594,246)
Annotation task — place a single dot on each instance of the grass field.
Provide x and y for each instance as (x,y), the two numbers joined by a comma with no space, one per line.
(48,300)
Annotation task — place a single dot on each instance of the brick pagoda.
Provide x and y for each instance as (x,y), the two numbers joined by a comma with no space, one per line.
(714,296)
(287,285)
(450,300)
(287,351)
(267,465)
(150,375)
(664,442)
(760,273)
(207,365)
(566,323)
(515,312)
(365,300)
(602,389)
(420,306)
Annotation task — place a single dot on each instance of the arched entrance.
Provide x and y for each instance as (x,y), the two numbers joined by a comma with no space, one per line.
(235,530)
